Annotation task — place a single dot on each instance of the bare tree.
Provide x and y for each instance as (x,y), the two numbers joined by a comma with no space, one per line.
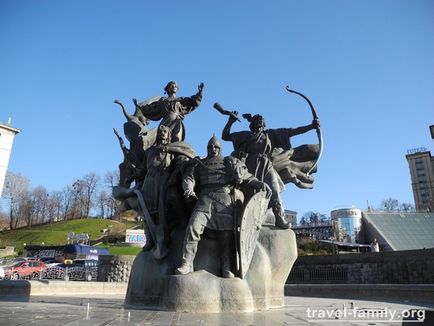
(26,209)
(55,206)
(104,203)
(16,191)
(78,200)
(313,218)
(67,206)
(407,207)
(40,203)
(111,179)
(389,205)
(37,205)
(90,183)
(4,221)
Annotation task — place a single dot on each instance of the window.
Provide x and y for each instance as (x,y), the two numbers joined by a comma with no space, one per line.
(424,192)
(421,173)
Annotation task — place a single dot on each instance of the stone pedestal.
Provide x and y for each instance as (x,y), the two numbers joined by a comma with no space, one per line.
(153,285)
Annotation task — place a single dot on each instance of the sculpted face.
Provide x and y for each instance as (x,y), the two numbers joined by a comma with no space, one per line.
(258,124)
(213,150)
(163,135)
(171,88)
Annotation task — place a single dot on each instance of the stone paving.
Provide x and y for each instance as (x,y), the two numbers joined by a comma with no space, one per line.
(75,310)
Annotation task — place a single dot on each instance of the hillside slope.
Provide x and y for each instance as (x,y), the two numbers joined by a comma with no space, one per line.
(56,233)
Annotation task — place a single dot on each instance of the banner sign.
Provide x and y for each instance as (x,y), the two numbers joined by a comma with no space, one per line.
(135,236)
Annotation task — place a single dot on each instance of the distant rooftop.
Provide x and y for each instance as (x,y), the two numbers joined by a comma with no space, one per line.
(9,127)
(404,231)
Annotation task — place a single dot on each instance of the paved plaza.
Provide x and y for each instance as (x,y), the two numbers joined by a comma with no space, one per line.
(54,310)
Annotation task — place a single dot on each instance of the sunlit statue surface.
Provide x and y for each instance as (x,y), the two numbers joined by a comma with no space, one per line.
(171,110)
(220,182)
(210,246)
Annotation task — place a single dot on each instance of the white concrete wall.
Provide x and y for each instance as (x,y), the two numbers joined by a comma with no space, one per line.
(7,135)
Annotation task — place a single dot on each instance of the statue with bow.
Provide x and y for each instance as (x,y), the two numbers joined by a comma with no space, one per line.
(270,157)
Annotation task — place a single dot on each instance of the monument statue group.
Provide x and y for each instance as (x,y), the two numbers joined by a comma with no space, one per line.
(216,234)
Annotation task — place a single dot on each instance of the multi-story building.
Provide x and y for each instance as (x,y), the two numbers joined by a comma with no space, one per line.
(7,134)
(421,165)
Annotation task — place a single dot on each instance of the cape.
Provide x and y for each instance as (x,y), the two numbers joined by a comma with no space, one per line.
(289,170)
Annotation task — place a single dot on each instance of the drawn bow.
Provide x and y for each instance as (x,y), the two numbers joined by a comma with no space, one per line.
(318,129)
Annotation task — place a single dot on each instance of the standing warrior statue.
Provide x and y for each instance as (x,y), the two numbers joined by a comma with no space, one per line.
(150,194)
(216,179)
(171,109)
(269,156)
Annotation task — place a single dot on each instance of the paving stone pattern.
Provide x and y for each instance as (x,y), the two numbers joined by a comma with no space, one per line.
(72,311)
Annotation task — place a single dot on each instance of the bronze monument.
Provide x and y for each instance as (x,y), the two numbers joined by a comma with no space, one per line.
(210,246)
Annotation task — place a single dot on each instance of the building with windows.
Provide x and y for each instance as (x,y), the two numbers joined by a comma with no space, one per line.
(7,134)
(291,217)
(421,165)
(347,224)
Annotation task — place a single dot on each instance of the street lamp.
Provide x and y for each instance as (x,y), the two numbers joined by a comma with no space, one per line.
(431,129)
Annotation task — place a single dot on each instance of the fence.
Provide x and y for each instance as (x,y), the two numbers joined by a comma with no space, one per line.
(392,267)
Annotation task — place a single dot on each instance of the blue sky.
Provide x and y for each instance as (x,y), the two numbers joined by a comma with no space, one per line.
(368,66)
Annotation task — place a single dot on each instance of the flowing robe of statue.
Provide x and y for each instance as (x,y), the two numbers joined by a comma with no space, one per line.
(159,164)
(270,156)
(171,111)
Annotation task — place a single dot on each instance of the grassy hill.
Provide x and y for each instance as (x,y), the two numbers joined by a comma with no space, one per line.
(56,233)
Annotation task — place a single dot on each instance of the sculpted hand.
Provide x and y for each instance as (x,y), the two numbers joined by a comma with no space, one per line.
(315,123)
(135,101)
(189,193)
(267,189)
(233,116)
(200,87)
(117,102)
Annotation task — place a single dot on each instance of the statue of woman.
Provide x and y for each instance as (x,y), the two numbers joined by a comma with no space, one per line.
(171,110)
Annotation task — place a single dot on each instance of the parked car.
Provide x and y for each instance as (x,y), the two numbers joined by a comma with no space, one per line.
(50,262)
(79,270)
(28,269)
(10,261)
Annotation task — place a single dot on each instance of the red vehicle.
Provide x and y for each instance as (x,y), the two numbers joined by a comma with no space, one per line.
(29,269)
